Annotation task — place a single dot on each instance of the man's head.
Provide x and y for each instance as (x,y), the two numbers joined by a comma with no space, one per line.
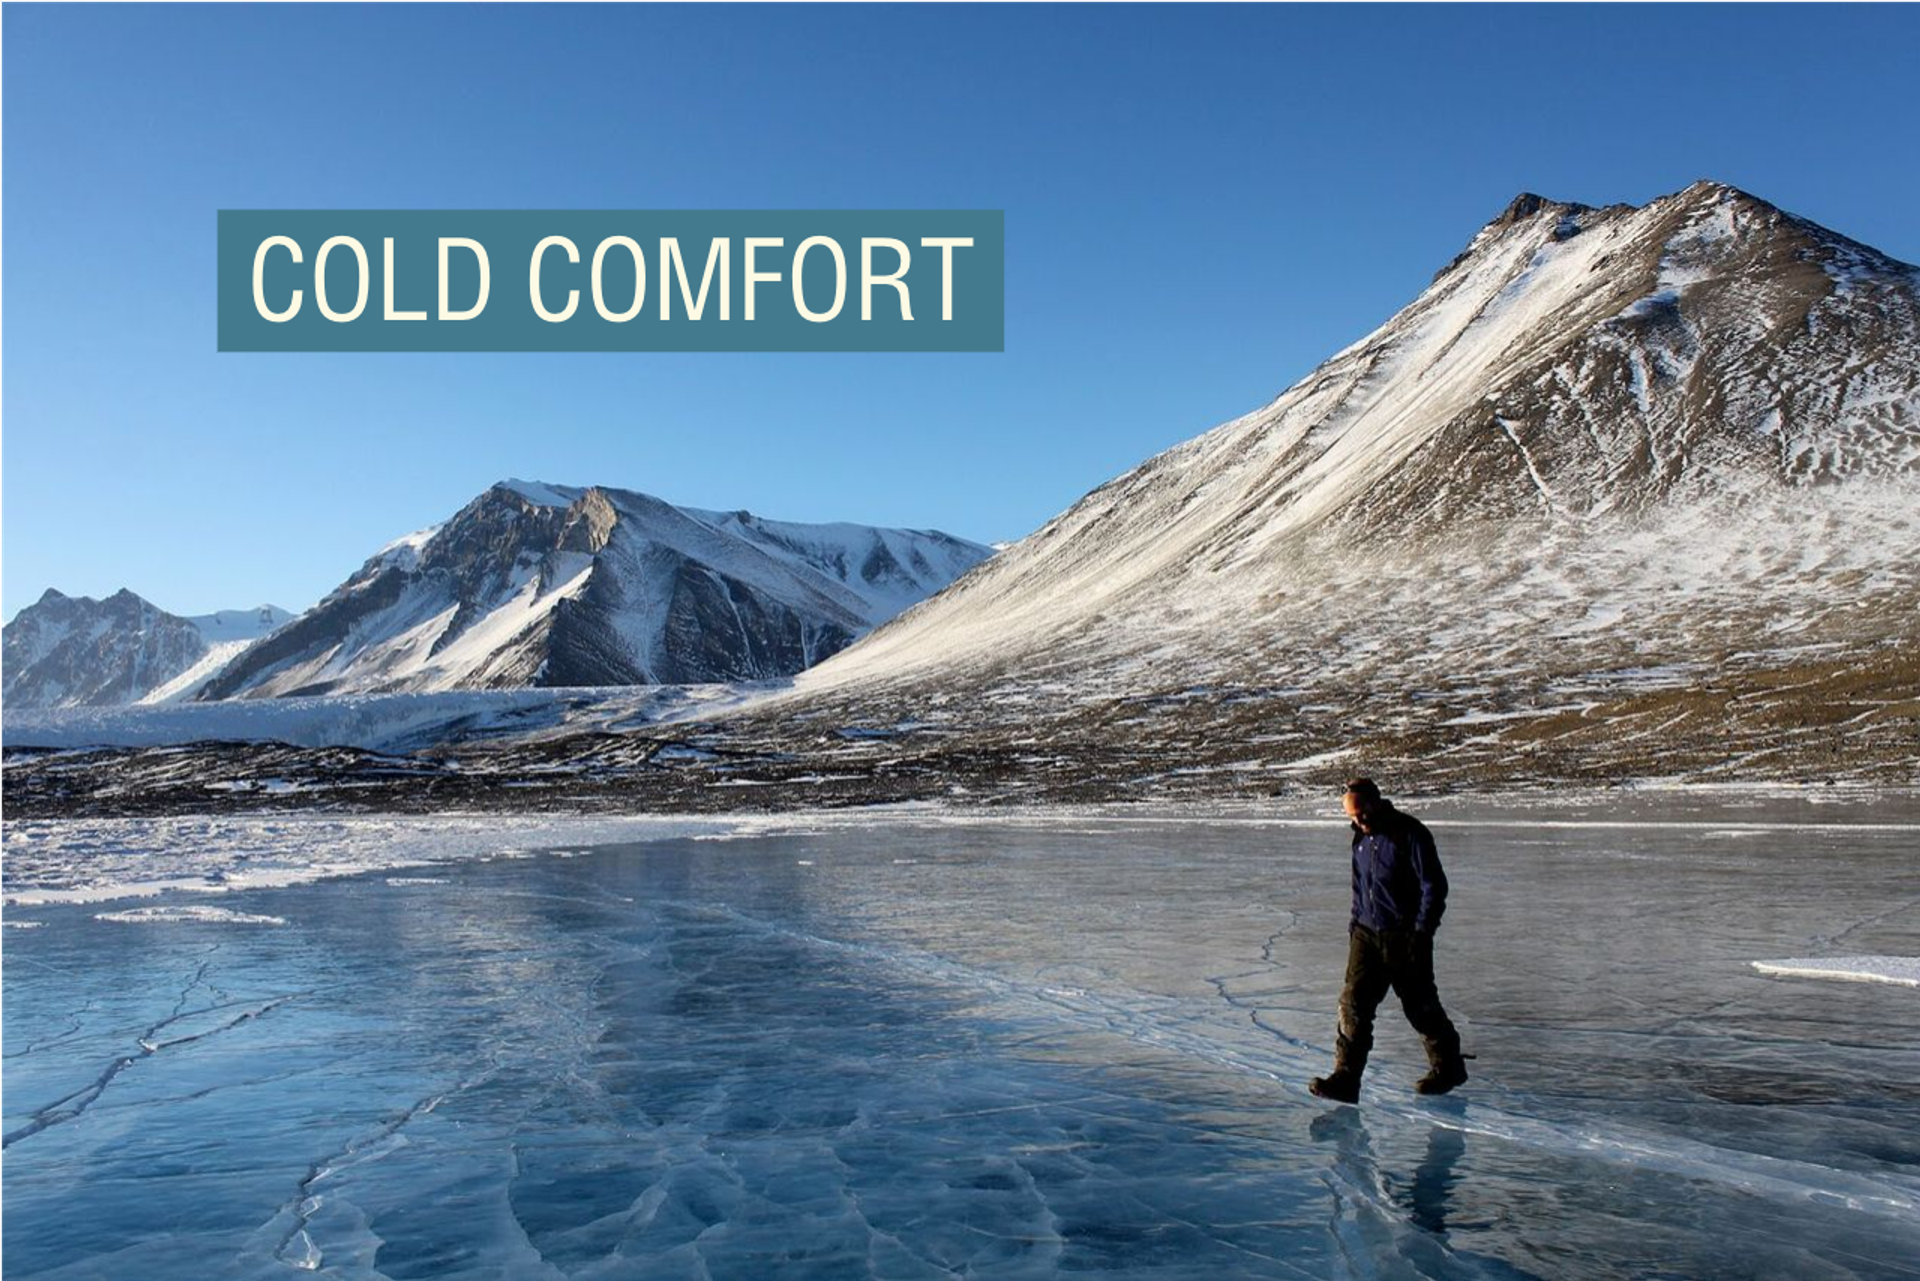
(1363,802)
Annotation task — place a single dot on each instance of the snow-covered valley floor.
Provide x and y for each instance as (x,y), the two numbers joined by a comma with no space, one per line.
(921,1043)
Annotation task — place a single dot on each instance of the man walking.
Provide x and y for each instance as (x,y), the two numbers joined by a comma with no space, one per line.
(1399,894)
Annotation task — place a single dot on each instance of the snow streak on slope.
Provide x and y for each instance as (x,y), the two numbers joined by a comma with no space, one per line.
(190,682)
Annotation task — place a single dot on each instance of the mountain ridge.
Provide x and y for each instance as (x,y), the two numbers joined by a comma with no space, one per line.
(532,583)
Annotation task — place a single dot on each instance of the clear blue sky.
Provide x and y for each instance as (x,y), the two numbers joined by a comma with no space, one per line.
(1201,204)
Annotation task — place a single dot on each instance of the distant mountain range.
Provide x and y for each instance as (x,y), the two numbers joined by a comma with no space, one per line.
(74,651)
(527,585)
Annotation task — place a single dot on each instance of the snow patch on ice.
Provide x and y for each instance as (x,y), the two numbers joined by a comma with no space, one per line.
(177,913)
(1901,970)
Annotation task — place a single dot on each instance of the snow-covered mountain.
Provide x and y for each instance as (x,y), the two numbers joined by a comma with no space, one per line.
(537,584)
(1617,474)
(74,651)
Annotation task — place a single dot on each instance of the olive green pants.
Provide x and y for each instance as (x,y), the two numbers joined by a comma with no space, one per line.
(1400,961)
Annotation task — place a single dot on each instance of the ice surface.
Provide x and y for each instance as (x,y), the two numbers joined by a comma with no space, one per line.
(969,1044)
(96,860)
(1903,970)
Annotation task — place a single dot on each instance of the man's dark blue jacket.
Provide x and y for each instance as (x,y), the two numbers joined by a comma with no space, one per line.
(1397,880)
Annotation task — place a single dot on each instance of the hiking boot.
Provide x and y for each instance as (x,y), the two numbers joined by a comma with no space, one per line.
(1442,1078)
(1339,1086)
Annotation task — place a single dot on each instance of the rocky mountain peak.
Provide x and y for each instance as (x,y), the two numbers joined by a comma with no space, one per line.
(590,522)
(1709,192)
(1527,205)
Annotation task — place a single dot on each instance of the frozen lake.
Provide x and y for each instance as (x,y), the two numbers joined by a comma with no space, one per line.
(916,1047)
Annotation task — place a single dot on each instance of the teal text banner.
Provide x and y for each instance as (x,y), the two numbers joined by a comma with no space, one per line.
(611,280)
